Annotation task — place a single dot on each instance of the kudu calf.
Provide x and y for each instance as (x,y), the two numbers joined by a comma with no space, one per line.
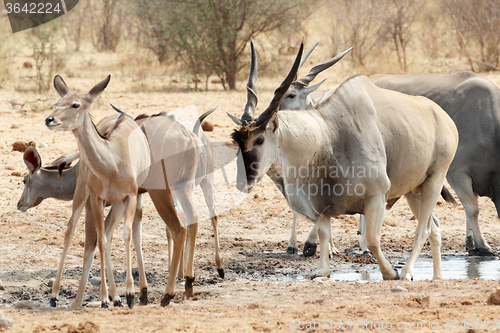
(110,171)
(64,188)
(49,182)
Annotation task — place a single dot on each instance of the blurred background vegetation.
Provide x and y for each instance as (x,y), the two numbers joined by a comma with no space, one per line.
(204,44)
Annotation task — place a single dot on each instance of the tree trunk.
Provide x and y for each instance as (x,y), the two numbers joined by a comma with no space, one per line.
(231,80)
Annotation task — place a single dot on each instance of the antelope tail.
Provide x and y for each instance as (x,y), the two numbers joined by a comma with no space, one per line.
(447,196)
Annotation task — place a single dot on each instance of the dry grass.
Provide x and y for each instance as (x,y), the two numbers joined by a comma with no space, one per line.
(432,49)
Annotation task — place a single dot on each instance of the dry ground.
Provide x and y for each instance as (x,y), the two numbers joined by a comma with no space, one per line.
(264,289)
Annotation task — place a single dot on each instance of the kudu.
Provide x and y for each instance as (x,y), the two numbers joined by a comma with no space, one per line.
(361,147)
(203,163)
(41,183)
(163,202)
(44,182)
(59,183)
(111,169)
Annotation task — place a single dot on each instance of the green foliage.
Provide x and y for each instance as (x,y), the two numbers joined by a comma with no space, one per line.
(210,36)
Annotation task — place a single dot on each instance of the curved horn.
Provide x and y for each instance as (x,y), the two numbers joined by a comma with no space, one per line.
(306,55)
(280,91)
(321,67)
(251,89)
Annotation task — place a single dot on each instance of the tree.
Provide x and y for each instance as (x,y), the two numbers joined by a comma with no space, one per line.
(355,26)
(106,23)
(73,25)
(42,42)
(477,28)
(210,36)
(397,17)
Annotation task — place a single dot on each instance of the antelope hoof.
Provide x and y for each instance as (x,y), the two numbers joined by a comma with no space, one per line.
(485,252)
(367,254)
(53,302)
(166,299)
(221,272)
(309,249)
(317,275)
(130,301)
(118,304)
(320,272)
(469,244)
(105,305)
(397,277)
(143,298)
(189,287)
(291,250)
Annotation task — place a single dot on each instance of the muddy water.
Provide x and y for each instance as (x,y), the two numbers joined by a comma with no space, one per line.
(454,267)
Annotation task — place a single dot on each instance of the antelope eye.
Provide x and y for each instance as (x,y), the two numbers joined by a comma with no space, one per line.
(75,105)
(24,181)
(259,141)
(292,96)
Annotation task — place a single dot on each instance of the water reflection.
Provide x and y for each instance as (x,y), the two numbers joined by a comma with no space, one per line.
(454,267)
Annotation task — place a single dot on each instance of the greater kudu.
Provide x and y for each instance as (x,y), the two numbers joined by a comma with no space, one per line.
(111,169)
(41,183)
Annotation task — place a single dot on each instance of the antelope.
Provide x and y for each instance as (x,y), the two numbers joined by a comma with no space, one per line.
(59,182)
(403,145)
(303,95)
(55,181)
(44,182)
(111,169)
(163,201)
(203,163)
(473,102)
(298,96)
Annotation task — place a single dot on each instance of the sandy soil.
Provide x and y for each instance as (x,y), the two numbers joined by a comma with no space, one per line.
(264,289)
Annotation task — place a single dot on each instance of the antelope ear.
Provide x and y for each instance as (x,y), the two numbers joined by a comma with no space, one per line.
(273,123)
(32,160)
(60,86)
(99,88)
(235,119)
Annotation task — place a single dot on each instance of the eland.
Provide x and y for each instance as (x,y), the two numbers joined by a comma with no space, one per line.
(299,96)
(473,102)
(360,147)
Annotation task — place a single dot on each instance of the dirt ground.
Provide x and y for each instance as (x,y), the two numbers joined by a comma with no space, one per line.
(264,289)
